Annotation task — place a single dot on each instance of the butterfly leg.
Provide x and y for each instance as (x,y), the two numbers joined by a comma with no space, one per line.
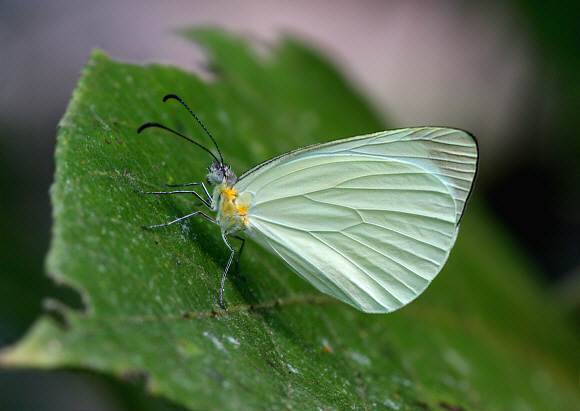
(205,202)
(207,194)
(181,218)
(239,254)
(226,270)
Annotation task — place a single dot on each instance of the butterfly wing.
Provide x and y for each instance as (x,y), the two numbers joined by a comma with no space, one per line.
(369,220)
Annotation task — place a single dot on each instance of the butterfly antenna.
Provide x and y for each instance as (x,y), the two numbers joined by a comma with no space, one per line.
(147,125)
(176,97)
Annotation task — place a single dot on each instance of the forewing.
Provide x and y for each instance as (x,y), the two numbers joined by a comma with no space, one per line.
(449,154)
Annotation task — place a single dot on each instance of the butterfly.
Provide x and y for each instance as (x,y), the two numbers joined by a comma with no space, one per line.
(369,220)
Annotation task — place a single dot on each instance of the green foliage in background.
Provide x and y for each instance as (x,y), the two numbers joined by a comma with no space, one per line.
(481,337)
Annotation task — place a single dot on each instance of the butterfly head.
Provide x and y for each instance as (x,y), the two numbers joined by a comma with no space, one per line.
(219,173)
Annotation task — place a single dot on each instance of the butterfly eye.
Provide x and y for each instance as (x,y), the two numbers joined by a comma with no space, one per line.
(216,173)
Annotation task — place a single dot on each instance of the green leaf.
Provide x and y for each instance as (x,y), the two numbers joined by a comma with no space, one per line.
(481,337)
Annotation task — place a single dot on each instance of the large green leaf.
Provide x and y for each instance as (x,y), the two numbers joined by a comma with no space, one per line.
(481,337)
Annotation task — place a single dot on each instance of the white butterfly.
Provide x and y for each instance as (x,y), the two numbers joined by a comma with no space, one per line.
(369,220)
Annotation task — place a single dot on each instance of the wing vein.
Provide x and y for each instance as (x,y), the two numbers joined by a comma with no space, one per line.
(362,270)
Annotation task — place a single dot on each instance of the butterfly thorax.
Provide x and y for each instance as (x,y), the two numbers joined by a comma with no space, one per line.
(232,207)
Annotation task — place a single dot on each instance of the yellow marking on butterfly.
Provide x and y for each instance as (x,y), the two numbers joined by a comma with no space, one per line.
(234,209)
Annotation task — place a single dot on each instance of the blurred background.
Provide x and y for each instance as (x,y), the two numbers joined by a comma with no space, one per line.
(505,70)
